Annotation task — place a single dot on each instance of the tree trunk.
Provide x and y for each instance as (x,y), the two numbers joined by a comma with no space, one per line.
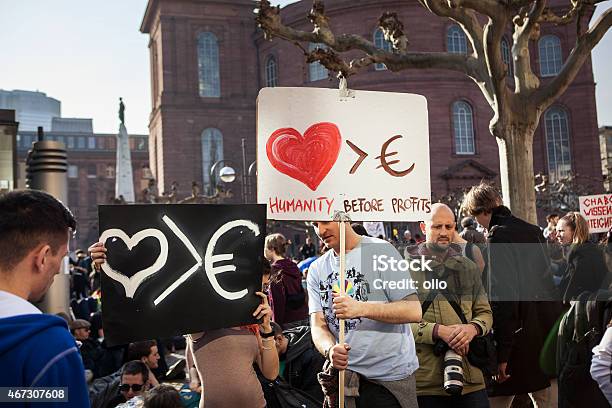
(516,170)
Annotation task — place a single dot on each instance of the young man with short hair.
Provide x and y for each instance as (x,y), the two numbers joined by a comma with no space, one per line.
(36,350)
(147,352)
(522,297)
(379,346)
(134,379)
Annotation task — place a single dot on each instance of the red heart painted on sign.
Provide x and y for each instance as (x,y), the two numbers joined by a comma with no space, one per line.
(307,158)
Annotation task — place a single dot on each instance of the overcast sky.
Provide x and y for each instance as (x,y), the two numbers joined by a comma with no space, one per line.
(88,53)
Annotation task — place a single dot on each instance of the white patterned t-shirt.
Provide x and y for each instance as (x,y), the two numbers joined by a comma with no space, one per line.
(379,351)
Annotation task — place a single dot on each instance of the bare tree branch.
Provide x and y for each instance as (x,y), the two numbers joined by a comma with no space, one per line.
(494,32)
(546,95)
(533,18)
(549,16)
(491,8)
(321,22)
(468,21)
(269,20)
(577,6)
(465,17)
(576,13)
(525,29)
(393,30)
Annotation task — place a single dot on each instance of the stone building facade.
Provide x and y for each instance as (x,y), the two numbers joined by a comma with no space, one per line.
(8,150)
(208,61)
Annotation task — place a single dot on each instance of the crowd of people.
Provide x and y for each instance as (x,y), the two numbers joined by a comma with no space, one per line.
(491,308)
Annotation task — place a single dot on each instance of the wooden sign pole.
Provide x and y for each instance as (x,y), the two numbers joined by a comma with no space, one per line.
(342,219)
(342,293)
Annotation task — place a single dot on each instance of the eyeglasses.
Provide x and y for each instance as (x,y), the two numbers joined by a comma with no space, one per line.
(134,387)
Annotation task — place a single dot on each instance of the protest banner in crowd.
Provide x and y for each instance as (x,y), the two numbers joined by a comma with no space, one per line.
(177,269)
(597,209)
(366,154)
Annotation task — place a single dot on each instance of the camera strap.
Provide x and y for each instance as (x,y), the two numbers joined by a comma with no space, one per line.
(456,308)
(434,292)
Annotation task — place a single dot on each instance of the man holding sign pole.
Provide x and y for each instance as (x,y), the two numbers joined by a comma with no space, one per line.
(379,302)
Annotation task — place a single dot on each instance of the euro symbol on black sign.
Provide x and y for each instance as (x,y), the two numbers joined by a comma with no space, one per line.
(387,165)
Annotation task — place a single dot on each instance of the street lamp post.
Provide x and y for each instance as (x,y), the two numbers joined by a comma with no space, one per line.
(250,174)
(226,173)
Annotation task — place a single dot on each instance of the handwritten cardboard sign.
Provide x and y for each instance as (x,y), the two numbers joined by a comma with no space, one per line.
(177,269)
(597,209)
(367,155)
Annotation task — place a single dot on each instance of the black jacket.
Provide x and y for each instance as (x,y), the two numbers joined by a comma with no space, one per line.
(91,353)
(524,306)
(586,271)
(581,329)
(104,392)
(303,362)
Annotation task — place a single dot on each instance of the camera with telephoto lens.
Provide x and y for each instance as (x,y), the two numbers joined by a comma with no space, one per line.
(440,348)
(453,373)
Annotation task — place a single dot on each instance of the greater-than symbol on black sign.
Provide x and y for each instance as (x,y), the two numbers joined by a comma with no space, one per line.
(174,228)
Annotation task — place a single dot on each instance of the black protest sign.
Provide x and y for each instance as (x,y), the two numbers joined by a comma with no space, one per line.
(177,269)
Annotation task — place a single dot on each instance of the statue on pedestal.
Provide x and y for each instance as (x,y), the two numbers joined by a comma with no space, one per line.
(121,111)
(124,183)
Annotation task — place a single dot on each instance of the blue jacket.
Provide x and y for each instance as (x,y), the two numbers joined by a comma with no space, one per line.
(37,350)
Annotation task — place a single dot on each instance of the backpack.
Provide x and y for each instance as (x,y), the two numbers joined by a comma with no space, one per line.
(296,300)
(581,329)
(279,394)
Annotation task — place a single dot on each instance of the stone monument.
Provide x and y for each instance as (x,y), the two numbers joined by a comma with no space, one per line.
(124,181)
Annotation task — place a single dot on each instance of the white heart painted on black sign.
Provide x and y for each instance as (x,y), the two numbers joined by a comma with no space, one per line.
(131,284)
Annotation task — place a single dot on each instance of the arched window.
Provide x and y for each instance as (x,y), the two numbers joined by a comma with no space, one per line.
(380,42)
(557,143)
(507,56)
(271,71)
(208,65)
(316,70)
(212,151)
(551,60)
(463,128)
(456,42)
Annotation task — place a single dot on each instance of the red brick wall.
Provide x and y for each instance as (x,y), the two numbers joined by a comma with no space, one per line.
(177,126)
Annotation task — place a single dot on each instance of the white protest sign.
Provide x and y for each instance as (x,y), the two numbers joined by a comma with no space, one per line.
(597,209)
(375,229)
(367,155)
